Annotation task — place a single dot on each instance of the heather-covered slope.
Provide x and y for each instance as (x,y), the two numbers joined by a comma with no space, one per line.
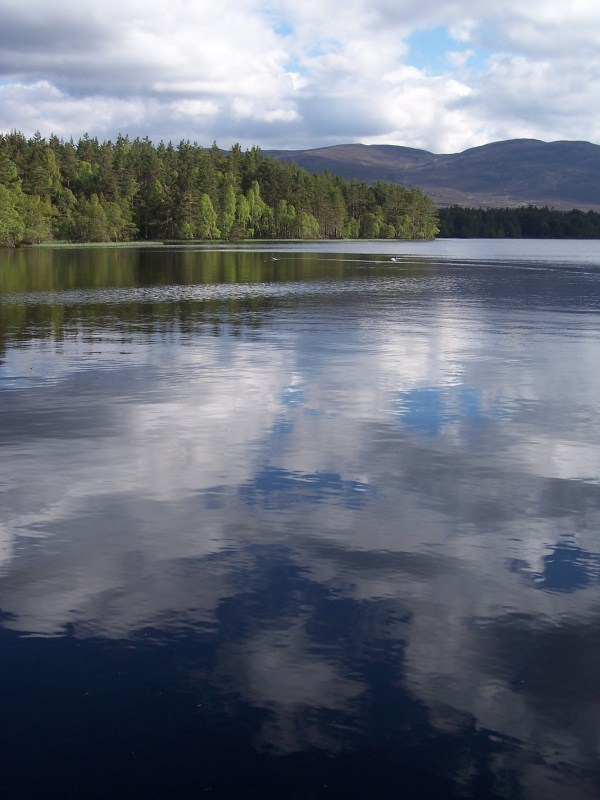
(564,175)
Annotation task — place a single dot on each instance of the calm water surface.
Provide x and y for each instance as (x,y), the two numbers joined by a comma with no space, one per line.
(297,521)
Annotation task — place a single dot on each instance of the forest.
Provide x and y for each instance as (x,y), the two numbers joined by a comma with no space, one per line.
(524,222)
(133,190)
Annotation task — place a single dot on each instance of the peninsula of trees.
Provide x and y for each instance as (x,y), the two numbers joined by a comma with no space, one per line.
(132,190)
(523,222)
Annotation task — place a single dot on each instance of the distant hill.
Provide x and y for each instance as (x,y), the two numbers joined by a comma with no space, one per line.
(563,175)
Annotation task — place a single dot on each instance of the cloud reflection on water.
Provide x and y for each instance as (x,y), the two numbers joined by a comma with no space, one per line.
(341,505)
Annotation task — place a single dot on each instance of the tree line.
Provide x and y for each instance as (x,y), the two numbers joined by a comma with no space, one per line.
(526,222)
(133,190)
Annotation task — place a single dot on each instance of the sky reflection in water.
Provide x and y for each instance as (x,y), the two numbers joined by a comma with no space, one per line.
(326,526)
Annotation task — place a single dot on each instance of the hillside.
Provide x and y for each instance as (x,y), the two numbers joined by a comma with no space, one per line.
(563,175)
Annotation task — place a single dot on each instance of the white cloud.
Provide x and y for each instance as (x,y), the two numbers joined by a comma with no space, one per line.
(459,58)
(267,73)
(196,108)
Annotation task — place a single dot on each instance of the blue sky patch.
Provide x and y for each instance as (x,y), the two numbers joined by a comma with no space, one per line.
(429,48)
(295,66)
(283,28)
(279,24)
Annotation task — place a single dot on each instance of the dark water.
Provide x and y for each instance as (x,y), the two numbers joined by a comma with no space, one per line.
(325,526)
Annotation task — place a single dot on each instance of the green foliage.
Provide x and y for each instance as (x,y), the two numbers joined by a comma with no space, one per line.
(307,226)
(227,211)
(94,192)
(12,226)
(120,226)
(37,214)
(90,222)
(285,220)
(206,219)
(527,222)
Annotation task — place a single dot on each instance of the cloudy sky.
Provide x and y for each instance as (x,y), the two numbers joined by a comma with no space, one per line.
(283,74)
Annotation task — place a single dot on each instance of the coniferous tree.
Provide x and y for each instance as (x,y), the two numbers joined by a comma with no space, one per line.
(116,191)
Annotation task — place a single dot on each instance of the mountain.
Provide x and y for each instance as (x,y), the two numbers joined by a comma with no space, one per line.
(516,172)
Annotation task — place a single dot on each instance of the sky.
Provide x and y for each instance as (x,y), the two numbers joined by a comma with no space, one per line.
(289,75)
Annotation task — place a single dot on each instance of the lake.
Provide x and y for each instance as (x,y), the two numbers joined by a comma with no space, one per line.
(300,521)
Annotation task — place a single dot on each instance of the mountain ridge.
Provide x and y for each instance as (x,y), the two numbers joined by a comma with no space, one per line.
(562,174)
